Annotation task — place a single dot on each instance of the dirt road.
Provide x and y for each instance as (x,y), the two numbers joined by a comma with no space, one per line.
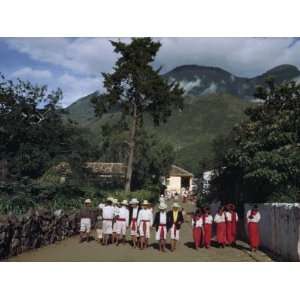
(71,251)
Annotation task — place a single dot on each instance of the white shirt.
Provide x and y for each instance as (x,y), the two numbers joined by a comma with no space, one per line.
(135,212)
(208,219)
(116,210)
(108,212)
(228,216)
(124,214)
(145,214)
(255,219)
(199,223)
(163,217)
(219,218)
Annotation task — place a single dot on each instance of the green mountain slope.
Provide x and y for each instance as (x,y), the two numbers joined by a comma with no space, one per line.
(213,106)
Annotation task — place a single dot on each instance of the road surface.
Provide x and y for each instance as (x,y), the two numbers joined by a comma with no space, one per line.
(70,250)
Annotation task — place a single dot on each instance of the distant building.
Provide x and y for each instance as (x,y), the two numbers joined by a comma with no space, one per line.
(94,171)
(177,179)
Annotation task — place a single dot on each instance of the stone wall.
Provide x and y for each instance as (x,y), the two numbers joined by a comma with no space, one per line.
(280,229)
(35,229)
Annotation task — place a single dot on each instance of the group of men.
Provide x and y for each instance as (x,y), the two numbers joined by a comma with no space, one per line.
(115,218)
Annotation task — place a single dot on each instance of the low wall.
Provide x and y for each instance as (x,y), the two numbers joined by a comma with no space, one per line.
(280,228)
(35,229)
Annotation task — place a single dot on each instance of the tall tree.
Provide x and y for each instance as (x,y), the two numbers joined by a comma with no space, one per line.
(136,88)
(262,161)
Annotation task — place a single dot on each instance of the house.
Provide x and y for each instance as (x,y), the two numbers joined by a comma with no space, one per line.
(177,179)
(94,171)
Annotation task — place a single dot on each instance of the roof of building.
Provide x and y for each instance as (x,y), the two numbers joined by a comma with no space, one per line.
(177,171)
(95,167)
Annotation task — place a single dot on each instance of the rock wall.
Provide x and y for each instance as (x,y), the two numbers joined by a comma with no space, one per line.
(35,229)
(280,229)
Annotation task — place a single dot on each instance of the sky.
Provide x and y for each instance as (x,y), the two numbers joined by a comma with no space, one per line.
(75,64)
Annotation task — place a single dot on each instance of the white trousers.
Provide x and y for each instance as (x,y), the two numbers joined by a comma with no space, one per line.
(107,227)
(121,227)
(174,233)
(99,233)
(159,231)
(145,233)
(85,225)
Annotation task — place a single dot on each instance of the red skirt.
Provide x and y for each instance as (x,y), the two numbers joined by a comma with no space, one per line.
(233,230)
(253,233)
(207,234)
(229,239)
(221,233)
(197,235)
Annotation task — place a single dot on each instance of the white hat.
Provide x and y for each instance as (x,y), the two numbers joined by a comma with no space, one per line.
(145,202)
(134,201)
(124,202)
(110,199)
(175,204)
(115,201)
(101,206)
(87,201)
(163,206)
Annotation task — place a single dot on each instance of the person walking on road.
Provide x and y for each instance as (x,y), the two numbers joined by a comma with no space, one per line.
(197,224)
(253,218)
(207,226)
(145,221)
(160,224)
(221,227)
(133,216)
(174,221)
(108,216)
(85,221)
(122,222)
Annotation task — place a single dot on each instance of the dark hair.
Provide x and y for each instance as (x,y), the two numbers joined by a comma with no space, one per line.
(255,207)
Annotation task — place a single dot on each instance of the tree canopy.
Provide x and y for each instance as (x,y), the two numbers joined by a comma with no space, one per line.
(262,159)
(136,88)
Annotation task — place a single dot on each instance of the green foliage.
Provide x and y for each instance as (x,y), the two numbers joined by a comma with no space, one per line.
(262,162)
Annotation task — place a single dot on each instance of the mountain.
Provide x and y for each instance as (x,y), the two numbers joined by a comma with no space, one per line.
(213,106)
(200,80)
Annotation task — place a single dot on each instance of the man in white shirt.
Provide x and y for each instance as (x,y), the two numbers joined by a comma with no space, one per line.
(145,220)
(160,224)
(108,215)
(122,222)
(133,216)
(116,208)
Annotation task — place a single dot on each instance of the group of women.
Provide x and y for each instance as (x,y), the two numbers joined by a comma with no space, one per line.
(226,221)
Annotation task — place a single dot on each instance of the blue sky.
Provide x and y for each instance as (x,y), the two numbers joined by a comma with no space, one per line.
(75,64)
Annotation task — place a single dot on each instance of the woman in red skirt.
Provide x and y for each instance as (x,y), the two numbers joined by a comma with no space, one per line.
(197,224)
(253,218)
(234,222)
(207,226)
(221,227)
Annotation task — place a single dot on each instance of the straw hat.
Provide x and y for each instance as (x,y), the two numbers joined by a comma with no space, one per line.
(124,202)
(101,206)
(163,206)
(87,201)
(115,201)
(134,201)
(176,205)
(145,202)
(110,199)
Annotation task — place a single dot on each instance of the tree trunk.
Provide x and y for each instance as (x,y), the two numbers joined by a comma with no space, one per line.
(131,151)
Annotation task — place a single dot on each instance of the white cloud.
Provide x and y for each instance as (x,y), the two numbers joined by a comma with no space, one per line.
(74,87)
(29,73)
(85,56)
(189,85)
(82,59)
